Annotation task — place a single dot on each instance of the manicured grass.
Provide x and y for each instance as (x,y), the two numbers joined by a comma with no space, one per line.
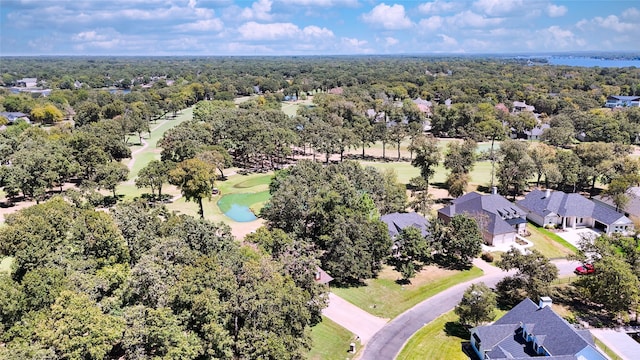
(440,339)
(254,181)
(142,159)
(433,341)
(331,341)
(245,199)
(610,353)
(548,243)
(404,170)
(5,264)
(385,298)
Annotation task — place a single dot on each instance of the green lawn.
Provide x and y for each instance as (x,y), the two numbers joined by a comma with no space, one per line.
(548,243)
(254,201)
(610,353)
(385,298)
(331,341)
(440,339)
(433,341)
(5,264)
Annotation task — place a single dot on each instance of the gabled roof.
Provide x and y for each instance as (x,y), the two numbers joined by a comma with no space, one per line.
(398,221)
(632,207)
(563,204)
(498,210)
(552,332)
(623,98)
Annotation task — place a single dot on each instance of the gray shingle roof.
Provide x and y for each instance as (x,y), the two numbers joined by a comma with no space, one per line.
(496,208)
(557,336)
(564,204)
(398,221)
(632,207)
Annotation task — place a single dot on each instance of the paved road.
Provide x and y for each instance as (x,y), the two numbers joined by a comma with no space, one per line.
(621,343)
(353,318)
(387,343)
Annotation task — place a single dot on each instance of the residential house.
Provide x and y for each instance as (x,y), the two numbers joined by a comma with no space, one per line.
(321,277)
(424,106)
(631,209)
(398,221)
(617,101)
(559,209)
(533,134)
(27,82)
(530,331)
(12,117)
(519,106)
(499,219)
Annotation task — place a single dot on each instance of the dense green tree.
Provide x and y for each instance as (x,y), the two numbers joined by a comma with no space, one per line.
(77,329)
(154,176)
(195,179)
(534,275)
(515,167)
(410,252)
(427,156)
(459,160)
(457,242)
(109,175)
(477,306)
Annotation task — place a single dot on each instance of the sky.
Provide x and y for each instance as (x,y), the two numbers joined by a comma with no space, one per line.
(315,27)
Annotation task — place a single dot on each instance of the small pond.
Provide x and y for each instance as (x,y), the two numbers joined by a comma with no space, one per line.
(240,213)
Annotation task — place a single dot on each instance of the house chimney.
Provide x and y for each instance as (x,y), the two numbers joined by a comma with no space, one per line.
(494,190)
(544,302)
(547,194)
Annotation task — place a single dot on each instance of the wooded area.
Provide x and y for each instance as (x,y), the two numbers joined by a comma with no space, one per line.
(96,277)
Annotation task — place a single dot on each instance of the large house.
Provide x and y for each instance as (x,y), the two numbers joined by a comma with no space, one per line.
(631,208)
(616,101)
(530,331)
(499,219)
(559,209)
(398,221)
(12,117)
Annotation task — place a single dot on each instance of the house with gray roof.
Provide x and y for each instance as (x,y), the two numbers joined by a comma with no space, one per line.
(631,209)
(398,221)
(531,331)
(499,219)
(12,117)
(617,101)
(559,209)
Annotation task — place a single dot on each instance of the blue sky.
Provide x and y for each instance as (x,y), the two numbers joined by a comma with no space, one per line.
(314,27)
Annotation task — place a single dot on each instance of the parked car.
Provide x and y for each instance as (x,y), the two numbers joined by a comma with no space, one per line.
(584,269)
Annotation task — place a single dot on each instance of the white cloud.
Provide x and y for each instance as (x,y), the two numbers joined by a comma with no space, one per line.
(201,25)
(390,41)
(259,10)
(88,36)
(556,10)
(437,7)
(274,31)
(612,22)
(557,38)
(321,3)
(432,23)
(353,42)
(388,17)
(448,40)
(631,13)
(471,19)
(500,7)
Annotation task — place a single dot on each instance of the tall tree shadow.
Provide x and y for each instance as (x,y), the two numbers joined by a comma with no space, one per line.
(454,328)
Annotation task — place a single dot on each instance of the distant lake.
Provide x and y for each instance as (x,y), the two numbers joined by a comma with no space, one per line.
(592,62)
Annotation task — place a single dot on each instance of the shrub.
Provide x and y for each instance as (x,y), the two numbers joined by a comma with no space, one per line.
(487,256)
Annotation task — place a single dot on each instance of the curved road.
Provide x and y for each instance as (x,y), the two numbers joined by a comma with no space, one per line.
(387,343)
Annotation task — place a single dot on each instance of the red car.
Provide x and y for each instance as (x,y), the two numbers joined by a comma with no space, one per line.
(584,269)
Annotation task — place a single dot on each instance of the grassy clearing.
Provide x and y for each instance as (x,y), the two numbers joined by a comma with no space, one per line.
(439,339)
(548,243)
(331,341)
(5,264)
(385,298)
(436,340)
(249,200)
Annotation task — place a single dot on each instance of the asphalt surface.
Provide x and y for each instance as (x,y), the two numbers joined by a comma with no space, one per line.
(387,343)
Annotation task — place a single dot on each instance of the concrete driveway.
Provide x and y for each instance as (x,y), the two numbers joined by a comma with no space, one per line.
(352,318)
(618,341)
(573,236)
